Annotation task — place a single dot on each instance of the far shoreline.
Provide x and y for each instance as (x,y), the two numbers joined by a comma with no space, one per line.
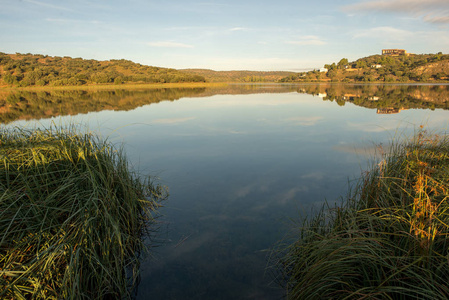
(131,86)
(114,86)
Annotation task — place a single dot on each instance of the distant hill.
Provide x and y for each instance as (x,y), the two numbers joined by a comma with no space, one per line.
(239,76)
(41,70)
(381,68)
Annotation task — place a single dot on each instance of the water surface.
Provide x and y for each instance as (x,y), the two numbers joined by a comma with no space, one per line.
(240,162)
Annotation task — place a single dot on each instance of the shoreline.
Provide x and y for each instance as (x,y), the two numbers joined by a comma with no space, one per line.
(136,86)
(115,86)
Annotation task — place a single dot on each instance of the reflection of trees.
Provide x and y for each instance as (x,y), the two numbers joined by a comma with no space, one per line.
(36,105)
(385,98)
(27,105)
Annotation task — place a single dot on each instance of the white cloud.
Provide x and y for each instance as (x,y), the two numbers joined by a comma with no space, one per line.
(309,40)
(169,45)
(391,37)
(414,6)
(382,32)
(436,19)
(238,29)
(434,11)
(71,21)
(43,4)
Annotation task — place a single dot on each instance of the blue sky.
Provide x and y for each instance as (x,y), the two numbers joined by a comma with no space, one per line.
(224,34)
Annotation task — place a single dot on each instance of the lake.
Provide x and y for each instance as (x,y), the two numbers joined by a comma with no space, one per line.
(242,164)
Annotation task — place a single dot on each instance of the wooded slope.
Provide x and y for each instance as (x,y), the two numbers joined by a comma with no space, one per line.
(34,69)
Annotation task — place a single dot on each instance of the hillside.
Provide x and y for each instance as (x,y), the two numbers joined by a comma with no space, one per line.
(381,68)
(238,76)
(33,69)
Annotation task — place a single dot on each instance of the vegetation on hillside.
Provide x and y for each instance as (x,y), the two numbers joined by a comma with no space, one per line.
(381,68)
(24,70)
(72,215)
(239,76)
(387,240)
(40,70)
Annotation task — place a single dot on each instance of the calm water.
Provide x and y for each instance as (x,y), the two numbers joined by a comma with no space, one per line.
(240,163)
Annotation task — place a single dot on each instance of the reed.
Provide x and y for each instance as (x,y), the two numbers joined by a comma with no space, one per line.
(389,238)
(72,216)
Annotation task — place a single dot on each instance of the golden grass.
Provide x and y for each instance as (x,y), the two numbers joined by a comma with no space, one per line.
(387,240)
(72,216)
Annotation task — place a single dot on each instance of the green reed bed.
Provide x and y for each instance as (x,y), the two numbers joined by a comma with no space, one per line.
(389,238)
(72,216)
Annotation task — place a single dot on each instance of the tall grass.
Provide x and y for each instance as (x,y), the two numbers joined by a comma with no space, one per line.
(72,215)
(389,238)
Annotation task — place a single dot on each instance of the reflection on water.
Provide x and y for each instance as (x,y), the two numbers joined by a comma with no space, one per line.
(387,99)
(28,105)
(239,161)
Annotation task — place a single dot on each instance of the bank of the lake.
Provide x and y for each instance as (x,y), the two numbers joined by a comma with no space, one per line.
(388,240)
(111,86)
(72,214)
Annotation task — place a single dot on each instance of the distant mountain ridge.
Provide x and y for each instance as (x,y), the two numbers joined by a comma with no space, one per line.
(239,75)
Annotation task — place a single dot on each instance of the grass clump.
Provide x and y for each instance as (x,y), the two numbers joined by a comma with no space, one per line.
(72,216)
(389,238)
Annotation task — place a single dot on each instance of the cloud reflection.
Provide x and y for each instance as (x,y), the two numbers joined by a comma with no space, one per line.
(367,151)
(314,175)
(171,121)
(304,121)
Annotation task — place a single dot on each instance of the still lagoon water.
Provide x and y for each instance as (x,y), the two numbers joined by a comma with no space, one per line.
(242,163)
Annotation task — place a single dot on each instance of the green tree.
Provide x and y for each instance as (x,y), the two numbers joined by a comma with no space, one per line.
(361,64)
(343,62)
